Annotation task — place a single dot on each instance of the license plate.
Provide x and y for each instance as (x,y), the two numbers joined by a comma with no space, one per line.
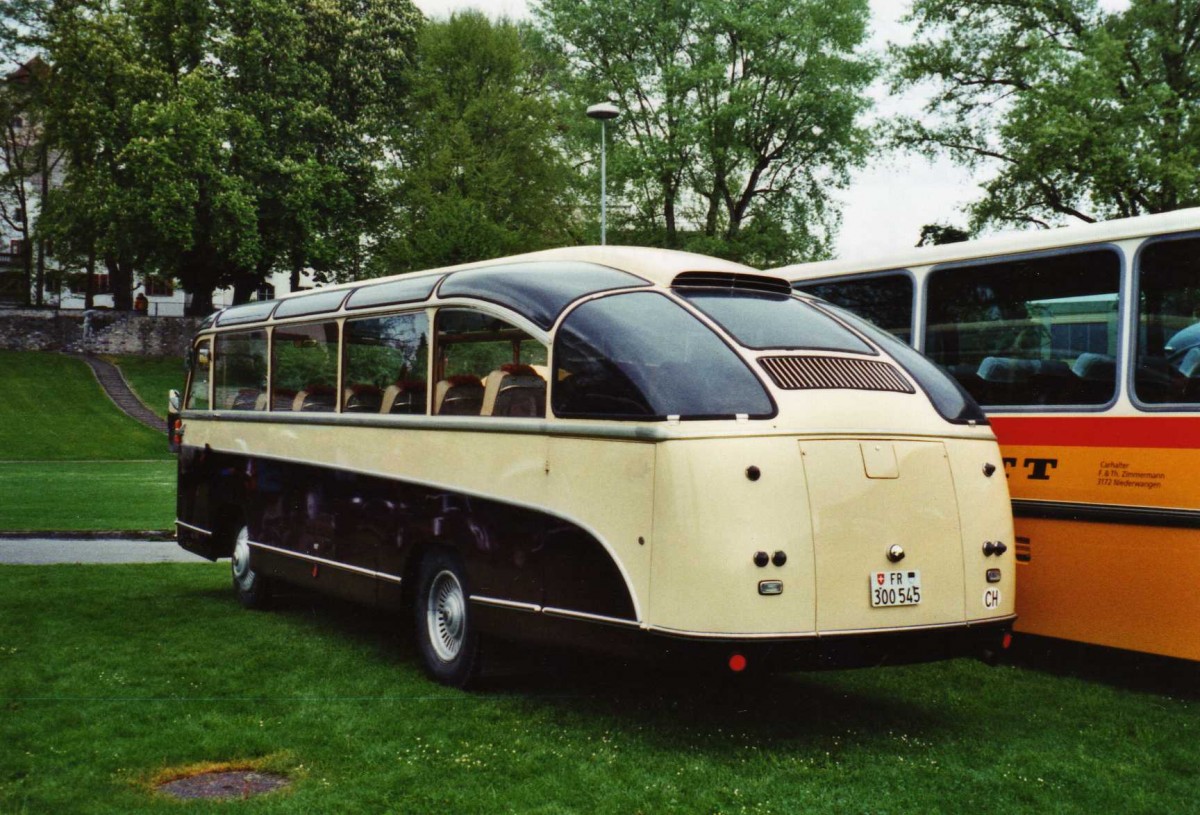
(895,589)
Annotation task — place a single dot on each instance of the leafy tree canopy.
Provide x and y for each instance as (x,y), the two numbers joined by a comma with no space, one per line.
(1081,113)
(481,170)
(219,140)
(739,120)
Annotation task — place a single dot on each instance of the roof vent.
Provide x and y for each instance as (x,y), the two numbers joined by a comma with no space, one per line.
(732,281)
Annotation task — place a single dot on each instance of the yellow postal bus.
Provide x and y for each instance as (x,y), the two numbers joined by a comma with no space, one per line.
(1083,346)
(624,449)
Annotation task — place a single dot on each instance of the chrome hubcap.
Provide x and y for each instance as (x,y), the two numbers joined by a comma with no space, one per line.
(241,561)
(446,616)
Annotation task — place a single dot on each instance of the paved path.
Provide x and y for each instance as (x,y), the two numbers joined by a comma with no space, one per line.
(114,384)
(54,550)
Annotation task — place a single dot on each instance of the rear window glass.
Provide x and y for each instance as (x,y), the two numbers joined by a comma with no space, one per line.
(759,320)
(642,356)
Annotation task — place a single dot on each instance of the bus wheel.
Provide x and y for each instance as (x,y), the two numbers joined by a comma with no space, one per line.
(252,589)
(446,637)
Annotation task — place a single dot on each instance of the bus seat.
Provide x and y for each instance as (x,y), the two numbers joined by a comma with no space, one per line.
(1006,380)
(404,397)
(315,399)
(283,399)
(1152,379)
(246,399)
(460,395)
(1189,368)
(362,398)
(1096,377)
(514,390)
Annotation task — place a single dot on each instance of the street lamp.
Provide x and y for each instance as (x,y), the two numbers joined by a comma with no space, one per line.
(603,111)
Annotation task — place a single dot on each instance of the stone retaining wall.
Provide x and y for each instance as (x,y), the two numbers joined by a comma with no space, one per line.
(97,332)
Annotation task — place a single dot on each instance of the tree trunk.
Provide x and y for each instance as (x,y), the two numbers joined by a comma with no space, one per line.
(201,303)
(120,278)
(89,290)
(244,286)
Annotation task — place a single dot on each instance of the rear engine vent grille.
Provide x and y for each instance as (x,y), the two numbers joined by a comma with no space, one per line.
(813,373)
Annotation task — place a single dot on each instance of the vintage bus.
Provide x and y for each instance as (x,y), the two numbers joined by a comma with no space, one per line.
(631,450)
(1082,344)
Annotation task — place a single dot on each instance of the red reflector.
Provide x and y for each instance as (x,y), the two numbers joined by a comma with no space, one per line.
(1007,641)
(737,663)
(316,570)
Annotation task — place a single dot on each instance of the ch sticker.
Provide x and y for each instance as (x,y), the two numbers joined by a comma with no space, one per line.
(991,599)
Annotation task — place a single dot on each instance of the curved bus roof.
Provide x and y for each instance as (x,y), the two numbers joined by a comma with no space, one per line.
(1009,243)
(537,285)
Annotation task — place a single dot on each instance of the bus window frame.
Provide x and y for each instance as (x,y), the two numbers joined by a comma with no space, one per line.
(913,306)
(1135,295)
(383,313)
(194,359)
(1122,370)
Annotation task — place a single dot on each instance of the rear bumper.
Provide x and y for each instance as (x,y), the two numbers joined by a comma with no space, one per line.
(980,640)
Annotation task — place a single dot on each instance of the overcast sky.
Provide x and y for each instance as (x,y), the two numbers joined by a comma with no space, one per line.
(887,202)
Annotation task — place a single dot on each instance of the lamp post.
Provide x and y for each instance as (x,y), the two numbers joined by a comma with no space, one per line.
(603,111)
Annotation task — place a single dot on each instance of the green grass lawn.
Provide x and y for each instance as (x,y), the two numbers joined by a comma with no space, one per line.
(69,459)
(151,378)
(87,495)
(110,675)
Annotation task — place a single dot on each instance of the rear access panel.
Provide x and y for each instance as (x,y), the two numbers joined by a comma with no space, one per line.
(884,516)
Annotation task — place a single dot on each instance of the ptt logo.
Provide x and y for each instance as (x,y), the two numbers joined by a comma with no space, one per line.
(1037,469)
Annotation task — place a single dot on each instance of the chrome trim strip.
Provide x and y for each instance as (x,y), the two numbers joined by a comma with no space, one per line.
(854,632)
(600,429)
(509,604)
(325,562)
(193,528)
(593,618)
(1107,513)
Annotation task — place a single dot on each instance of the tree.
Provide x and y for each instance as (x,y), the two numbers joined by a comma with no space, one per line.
(1081,113)
(25,166)
(481,171)
(941,234)
(219,140)
(739,119)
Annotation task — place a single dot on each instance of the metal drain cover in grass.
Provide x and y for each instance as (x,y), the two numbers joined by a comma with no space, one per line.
(228,784)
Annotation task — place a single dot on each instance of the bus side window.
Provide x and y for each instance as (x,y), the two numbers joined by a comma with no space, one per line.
(1168,336)
(886,300)
(1029,332)
(385,364)
(487,367)
(240,371)
(304,367)
(197,398)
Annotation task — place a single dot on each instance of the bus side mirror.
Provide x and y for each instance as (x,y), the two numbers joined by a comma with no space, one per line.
(174,427)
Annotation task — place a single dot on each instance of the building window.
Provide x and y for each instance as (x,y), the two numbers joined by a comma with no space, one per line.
(265,292)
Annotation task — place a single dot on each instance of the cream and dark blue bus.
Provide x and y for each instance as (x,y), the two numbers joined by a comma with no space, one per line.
(634,451)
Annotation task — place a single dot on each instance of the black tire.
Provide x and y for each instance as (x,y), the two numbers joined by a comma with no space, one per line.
(252,589)
(447,638)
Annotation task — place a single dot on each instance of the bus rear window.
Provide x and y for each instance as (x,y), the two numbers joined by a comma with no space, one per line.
(642,356)
(1029,332)
(758,320)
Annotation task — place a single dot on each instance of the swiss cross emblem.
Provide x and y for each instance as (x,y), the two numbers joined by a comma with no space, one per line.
(879,578)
